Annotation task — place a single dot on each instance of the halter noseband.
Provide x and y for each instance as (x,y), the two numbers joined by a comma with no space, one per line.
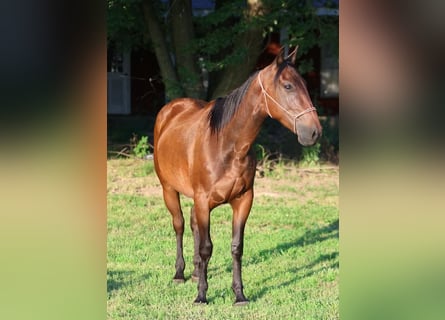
(296,117)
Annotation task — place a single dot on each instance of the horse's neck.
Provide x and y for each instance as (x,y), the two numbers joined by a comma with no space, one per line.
(242,130)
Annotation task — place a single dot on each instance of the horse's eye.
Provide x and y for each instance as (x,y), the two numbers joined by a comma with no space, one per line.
(287,86)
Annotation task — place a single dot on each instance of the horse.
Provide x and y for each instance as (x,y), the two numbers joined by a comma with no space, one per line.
(203,150)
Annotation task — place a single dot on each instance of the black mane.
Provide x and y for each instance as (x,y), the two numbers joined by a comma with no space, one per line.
(225,108)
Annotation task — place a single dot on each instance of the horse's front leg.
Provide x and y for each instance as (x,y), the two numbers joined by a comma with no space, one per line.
(241,208)
(202,216)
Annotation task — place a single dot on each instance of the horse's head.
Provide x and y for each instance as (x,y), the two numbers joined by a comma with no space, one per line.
(286,99)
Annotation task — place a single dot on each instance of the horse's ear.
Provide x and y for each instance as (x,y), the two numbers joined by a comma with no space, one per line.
(280,57)
(293,55)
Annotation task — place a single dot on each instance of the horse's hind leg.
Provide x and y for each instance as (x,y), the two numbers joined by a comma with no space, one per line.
(241,208)
(196,257)
(202,215)
(171,198)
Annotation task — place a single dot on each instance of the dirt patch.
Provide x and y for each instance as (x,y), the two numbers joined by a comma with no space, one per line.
(301,184)
(320,184)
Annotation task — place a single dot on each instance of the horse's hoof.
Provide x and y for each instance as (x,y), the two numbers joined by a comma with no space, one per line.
(200,302)
(178,280)
(241,303)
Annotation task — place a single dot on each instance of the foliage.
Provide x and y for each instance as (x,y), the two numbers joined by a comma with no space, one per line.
(329,149)
(264,164)
(304,27)
(142,147)
(125,24)
(311,156)
(218,48)
(217,35)
(260,152)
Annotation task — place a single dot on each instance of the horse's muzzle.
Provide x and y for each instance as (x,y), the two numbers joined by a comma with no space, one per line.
(308,136)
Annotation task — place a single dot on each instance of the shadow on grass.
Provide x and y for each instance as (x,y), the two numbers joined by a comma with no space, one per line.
(309,238)
(310,271)
(117,279)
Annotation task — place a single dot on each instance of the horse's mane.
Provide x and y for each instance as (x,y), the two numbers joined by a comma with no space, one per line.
(225,108)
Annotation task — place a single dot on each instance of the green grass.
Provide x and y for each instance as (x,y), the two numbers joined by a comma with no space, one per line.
(290,263)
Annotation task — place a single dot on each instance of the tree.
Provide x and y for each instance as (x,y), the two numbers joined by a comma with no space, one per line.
(169,75)
(226,42)
(247,36)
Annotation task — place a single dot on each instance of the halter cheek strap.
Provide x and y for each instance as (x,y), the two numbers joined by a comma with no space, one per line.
(296,117)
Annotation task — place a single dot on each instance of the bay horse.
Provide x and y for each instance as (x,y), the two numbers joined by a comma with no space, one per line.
(203,150)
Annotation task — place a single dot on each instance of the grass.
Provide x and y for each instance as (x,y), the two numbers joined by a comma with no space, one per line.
(290,263)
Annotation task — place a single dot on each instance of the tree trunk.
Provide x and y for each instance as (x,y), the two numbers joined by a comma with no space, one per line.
(173,88)
(183,36)
(234,75)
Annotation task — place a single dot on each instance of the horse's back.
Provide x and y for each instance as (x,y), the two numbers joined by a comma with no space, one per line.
(174,111)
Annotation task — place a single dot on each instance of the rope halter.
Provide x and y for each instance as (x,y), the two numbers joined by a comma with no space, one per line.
(296,117)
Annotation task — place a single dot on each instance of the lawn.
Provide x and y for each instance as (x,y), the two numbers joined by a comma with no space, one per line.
(290,262)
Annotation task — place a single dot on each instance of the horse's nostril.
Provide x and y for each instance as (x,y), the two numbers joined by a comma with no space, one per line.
(314,134)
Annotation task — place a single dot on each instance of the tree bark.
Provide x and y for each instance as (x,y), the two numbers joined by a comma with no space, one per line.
(183,36)
(173,88)
(234,75)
